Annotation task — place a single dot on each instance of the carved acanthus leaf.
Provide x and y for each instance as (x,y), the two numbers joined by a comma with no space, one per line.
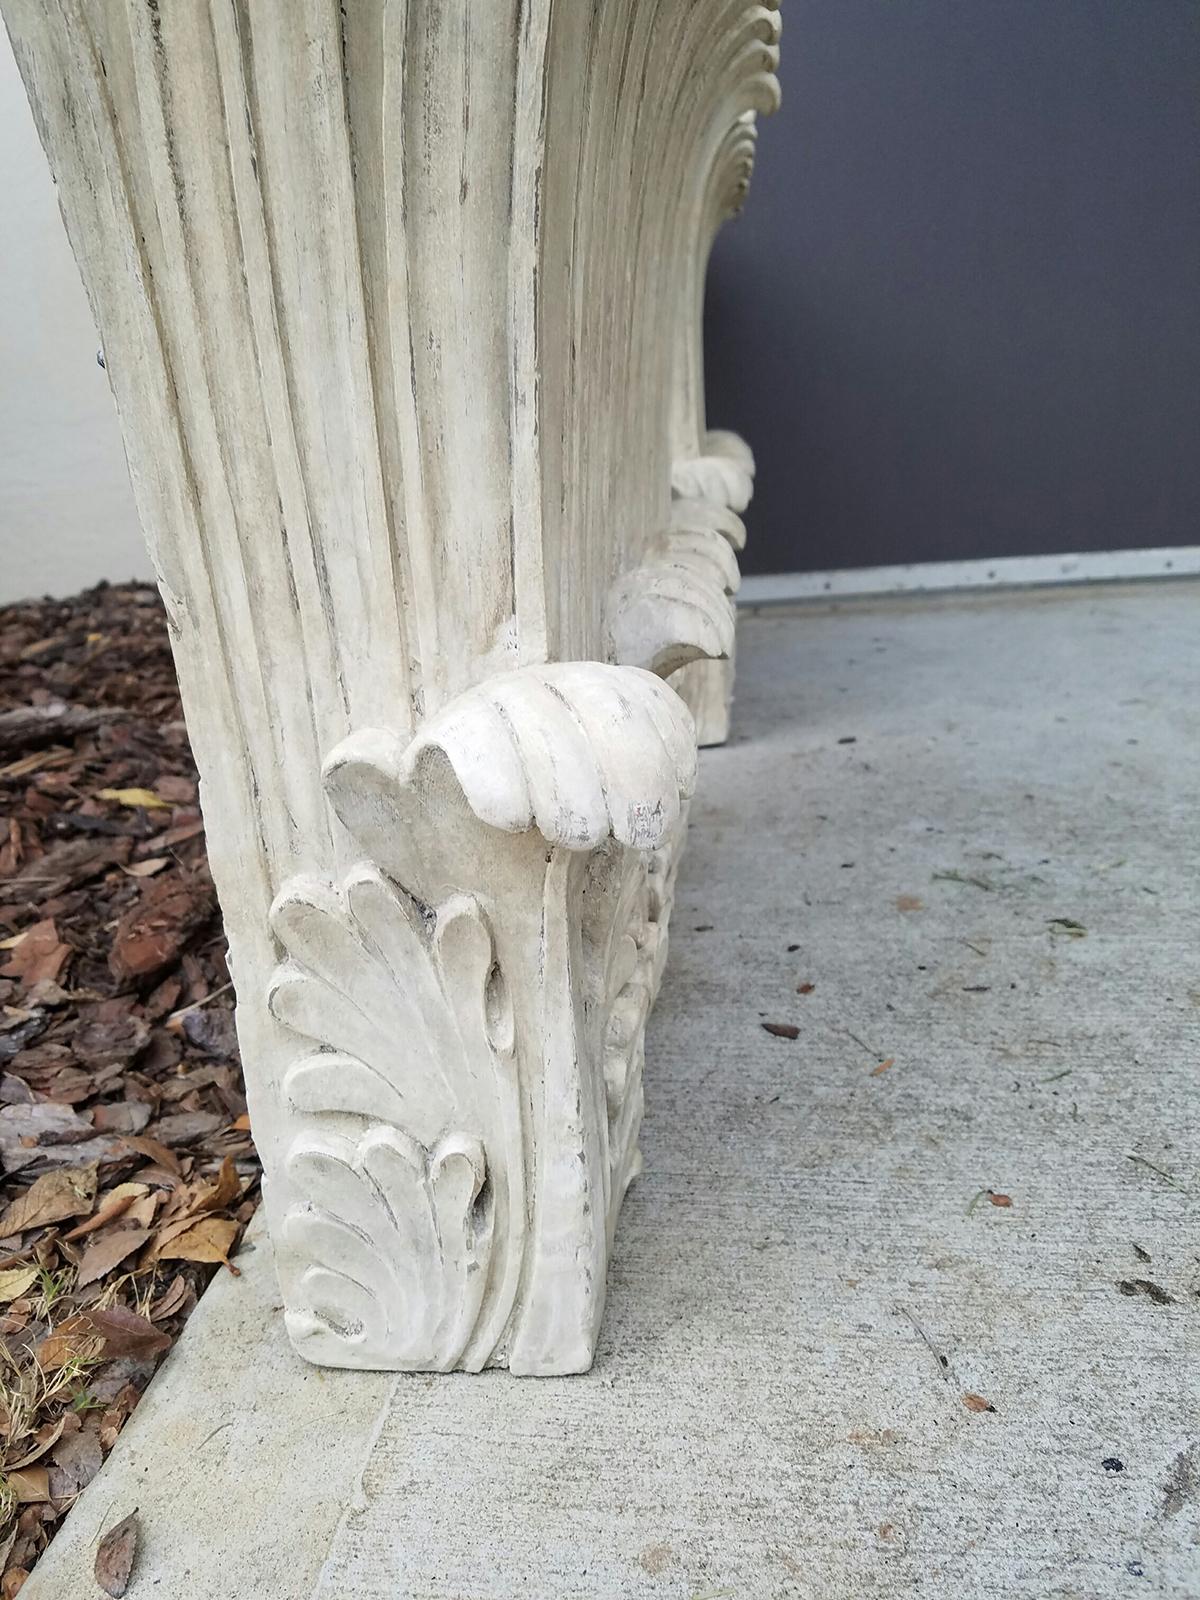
(467,1118)
(581,751)
(723,471)
(691,514)
(676,607)
(413,1029)
(398,1240)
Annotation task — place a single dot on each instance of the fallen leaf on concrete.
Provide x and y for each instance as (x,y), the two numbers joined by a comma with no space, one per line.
(782,1030)
(883,1066)
(805,988)
(1152,1291)
(1002,1200)
(909,902)
(976,1402)
(954,876)
(115,1556)
(66,1192)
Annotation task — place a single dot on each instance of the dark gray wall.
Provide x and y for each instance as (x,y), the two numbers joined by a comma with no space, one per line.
(961,313)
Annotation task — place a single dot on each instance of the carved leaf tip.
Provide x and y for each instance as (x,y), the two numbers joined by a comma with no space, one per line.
(723,471)
(579,751)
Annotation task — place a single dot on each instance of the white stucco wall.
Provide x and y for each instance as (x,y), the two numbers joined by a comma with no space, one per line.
(66,509)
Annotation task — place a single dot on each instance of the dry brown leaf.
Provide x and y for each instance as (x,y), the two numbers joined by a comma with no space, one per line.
(15,1281)
(125,1333)
(117,1414)
(74,1462)
(224,1191)
(38,954)
(110,1331)
(154,1151)
(173,1297)
(114,1203)
(210,1239)
(135,799)
(976,1402)
(115,1556)
(782,1030)
(108,1251)
(30,1485)
(141,1212)
(66,1192)
(1000,1199)
(47,1436)
(883,1066)
(147,869)
(73,1340)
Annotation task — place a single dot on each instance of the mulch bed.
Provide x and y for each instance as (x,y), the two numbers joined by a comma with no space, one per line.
(128,1167)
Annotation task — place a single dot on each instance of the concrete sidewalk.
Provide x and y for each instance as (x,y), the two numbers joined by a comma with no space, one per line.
(907,1305)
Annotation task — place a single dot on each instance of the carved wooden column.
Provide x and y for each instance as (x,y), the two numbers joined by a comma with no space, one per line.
(400,303)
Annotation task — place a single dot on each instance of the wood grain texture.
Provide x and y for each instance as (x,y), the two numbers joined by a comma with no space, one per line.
(400,303)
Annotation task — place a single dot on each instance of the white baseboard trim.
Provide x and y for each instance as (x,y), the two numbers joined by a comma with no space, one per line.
(1006,572)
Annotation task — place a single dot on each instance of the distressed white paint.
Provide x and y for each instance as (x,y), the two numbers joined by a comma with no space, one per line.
(423,465)
(67,517)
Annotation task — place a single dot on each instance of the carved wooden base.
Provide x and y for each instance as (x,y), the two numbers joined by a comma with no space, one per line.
(401,309)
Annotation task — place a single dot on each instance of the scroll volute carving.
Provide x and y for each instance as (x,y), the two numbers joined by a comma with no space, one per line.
(474,993)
